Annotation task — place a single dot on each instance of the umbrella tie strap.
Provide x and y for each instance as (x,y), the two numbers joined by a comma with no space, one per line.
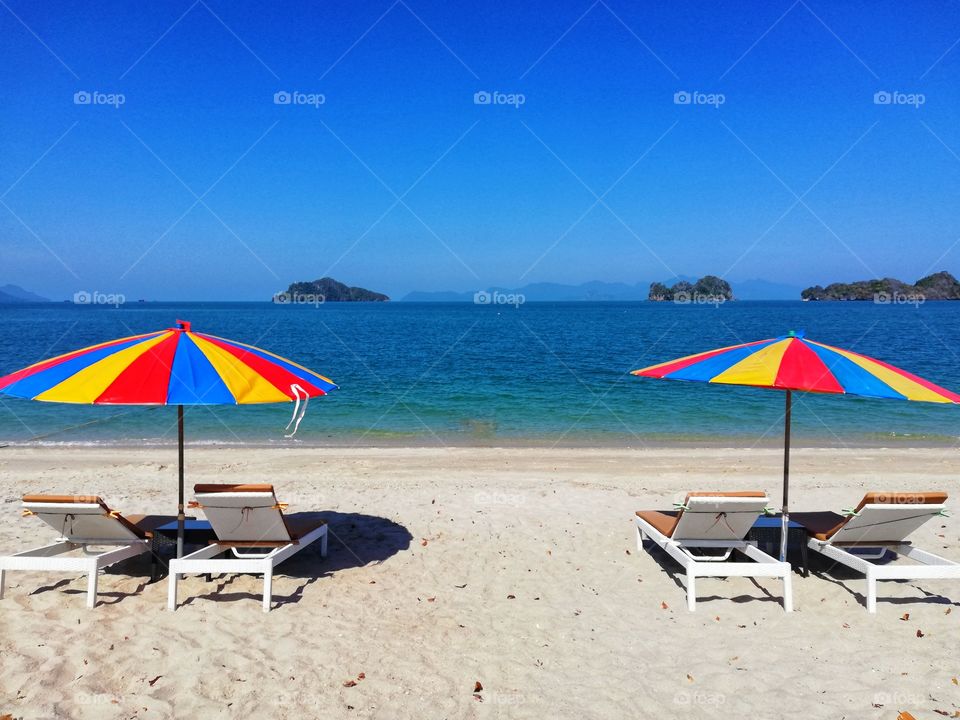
(297,417)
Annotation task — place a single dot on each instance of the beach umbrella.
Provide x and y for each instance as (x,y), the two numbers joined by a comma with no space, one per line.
(175,366)
(795,364)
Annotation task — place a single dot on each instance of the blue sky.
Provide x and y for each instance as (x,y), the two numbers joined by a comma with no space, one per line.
(199,186)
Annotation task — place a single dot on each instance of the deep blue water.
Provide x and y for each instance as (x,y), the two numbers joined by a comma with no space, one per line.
(481,374)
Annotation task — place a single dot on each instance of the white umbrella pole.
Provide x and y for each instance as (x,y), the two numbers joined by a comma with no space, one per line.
(180,515)
(785,512)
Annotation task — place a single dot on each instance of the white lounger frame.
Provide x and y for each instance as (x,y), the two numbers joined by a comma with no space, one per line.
(233,521)
(869,535)
(115,542)
(698,529)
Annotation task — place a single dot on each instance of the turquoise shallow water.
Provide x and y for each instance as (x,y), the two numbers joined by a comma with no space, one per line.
(543,373)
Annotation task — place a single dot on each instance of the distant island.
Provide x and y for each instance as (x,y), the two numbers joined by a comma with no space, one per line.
(939,286)
(709,288)
(10,294)
(599,291)
(326,290)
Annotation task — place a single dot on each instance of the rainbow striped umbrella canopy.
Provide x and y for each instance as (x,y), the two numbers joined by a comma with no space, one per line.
(170,367)
(794,363)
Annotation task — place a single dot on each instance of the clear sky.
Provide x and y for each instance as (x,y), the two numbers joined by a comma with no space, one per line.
(200,186)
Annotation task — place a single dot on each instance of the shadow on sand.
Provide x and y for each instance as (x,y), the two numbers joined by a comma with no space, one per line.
(355,540)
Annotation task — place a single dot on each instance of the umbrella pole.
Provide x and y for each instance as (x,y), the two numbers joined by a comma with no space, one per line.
(180,515)
(785,512)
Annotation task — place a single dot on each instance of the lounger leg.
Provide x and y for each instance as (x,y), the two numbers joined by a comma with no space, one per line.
(788,592)
(172,591)
(691,592)
(639,540)
(871,592)
(92,588)
(267,589)
(3,579)
(323,545)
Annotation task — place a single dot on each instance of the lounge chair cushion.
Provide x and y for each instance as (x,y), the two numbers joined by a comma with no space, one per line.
(300,524)
(233,488)
(662,521)
(820,525)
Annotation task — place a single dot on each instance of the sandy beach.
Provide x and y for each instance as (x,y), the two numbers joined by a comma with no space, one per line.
(515,568)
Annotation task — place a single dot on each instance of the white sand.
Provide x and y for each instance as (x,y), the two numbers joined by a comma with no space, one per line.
(427,546)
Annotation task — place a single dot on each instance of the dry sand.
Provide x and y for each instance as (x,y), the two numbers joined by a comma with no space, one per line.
(513,567)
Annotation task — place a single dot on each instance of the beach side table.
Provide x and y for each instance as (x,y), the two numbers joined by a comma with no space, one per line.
(195,532)
(766,533)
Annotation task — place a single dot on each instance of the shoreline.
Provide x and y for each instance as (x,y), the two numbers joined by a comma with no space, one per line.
(343,442)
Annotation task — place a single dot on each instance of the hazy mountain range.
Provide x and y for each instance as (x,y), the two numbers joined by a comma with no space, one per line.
(598,290)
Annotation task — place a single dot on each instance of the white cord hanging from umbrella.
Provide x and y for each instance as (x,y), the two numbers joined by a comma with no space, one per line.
(297,417)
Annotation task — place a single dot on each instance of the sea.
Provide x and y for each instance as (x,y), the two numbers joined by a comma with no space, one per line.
(538,374)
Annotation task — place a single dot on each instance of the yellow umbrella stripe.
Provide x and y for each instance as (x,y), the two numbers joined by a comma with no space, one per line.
(86,385)
(245,384)
(759,368)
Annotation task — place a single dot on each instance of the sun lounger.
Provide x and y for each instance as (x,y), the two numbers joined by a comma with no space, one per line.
(92,537)
(250,525)
(716,522)
(881,522)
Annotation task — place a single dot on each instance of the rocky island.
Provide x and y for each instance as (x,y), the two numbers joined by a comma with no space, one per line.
(939,286)
(326,290)
(708,289)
